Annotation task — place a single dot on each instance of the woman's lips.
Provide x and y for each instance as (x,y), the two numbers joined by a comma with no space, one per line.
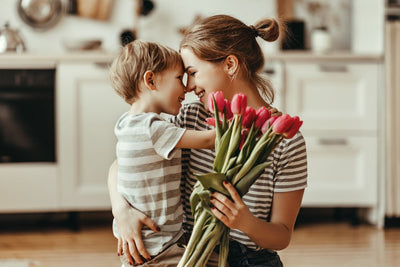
(200,94)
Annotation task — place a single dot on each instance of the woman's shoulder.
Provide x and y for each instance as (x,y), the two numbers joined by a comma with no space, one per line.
(195,108)
(293,146)
(193,115)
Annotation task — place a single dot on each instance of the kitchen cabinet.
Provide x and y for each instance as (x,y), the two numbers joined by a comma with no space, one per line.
(339,104)
(87,110)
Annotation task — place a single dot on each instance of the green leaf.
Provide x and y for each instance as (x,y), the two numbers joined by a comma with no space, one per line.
(213,181)
(246,146)
(244,184)
(221,152)
(251,161)
(231,172)
(218,127)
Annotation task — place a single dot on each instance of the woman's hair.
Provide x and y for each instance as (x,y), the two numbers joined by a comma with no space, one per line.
(216,37)
(137,57)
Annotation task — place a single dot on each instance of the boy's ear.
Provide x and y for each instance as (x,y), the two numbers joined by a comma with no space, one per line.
(231,64)
(149,79)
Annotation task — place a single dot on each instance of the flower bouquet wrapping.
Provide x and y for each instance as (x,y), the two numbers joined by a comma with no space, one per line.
(244,140)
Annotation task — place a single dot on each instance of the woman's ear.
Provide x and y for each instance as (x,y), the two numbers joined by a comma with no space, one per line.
(149,79)
(231,65)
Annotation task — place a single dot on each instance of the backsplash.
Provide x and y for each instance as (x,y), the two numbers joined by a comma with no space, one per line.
(160,25)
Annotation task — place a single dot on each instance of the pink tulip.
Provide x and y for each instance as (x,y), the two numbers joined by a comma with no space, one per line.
(263,114)
(210,121)
(239,103)
(268,123)
(282,124)
(294,128)
(219,100)
(228,111)
(248,117)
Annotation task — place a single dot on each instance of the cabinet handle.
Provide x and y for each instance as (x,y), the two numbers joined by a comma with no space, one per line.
(103,65)
(333,142)
(333,68)
(269,71)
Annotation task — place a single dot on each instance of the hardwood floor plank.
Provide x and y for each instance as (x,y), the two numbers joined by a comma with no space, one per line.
(322,244)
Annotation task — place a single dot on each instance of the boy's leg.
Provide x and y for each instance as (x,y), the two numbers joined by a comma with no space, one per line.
(168,258)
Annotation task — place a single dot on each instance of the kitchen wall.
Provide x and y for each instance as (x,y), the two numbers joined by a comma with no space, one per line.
(160,25)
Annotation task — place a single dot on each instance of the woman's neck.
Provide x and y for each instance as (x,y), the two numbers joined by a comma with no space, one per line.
(254,98)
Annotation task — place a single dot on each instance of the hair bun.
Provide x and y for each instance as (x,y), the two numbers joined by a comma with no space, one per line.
(268,29)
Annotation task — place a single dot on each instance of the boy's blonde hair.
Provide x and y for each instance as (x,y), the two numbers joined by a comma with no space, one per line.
(137,57)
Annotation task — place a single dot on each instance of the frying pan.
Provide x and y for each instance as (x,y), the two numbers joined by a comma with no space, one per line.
(41,14)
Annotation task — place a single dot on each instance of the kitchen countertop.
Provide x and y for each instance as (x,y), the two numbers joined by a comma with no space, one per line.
(51,59)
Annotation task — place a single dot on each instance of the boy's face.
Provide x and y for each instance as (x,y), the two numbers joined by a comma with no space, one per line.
(170,90)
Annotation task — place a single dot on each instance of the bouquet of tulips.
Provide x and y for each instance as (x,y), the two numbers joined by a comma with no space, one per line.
(244,140)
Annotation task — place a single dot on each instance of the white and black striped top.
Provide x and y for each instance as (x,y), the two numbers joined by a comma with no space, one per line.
(149,174)
(287,173)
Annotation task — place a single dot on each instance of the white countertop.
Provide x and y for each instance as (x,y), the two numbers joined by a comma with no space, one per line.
(51,59)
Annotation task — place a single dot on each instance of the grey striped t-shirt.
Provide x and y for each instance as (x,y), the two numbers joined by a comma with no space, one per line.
(149,174)
(288,171)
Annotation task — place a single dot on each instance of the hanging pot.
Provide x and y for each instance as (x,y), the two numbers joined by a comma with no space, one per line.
(41,14)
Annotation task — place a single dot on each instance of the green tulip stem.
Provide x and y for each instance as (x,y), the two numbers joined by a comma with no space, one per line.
(234,141)
(206,236)
(196,233)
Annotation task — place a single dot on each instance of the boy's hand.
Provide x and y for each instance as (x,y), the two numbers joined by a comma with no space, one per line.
(275,112)
(130,242)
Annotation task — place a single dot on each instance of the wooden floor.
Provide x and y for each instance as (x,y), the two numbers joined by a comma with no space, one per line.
(324,244)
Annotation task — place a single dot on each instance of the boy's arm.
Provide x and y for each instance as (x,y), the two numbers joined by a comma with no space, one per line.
(197,139)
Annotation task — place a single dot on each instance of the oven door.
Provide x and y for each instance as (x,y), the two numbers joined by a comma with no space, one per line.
(27,116)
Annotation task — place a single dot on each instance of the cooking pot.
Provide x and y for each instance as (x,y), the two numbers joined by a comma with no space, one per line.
(10,40)
(41,14)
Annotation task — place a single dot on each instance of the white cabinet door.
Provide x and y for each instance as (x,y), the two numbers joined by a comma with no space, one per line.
(333,96)
(87,110)
(342,171)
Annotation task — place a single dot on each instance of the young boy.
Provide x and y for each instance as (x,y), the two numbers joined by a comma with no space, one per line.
(148,76)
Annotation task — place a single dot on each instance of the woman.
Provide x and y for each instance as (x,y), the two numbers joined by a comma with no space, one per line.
(220,53)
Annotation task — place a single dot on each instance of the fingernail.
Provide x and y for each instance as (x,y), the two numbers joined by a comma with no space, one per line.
(118,254)
(225,182)
(148,259)
(158,229)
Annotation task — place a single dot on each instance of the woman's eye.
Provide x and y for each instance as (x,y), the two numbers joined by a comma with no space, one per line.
(192,73)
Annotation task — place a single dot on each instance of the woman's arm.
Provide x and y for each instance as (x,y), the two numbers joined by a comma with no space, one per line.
(275,234)
(197,139)
(129,222)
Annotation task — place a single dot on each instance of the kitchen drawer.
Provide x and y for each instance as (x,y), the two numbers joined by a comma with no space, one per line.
(333,96)
(342,171)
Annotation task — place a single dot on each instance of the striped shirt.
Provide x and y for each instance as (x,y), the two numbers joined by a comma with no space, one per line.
(288,171)
(149,174)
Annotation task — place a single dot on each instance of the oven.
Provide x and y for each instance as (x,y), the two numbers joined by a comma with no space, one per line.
(27,128)
(29,171)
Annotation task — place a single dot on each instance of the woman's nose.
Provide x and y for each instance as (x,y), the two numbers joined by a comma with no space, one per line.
(190,85)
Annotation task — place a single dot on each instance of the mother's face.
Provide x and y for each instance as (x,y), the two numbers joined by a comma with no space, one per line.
(204,77)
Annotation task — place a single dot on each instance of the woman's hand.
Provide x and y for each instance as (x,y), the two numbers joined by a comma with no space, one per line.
(233,213)
(130,243)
